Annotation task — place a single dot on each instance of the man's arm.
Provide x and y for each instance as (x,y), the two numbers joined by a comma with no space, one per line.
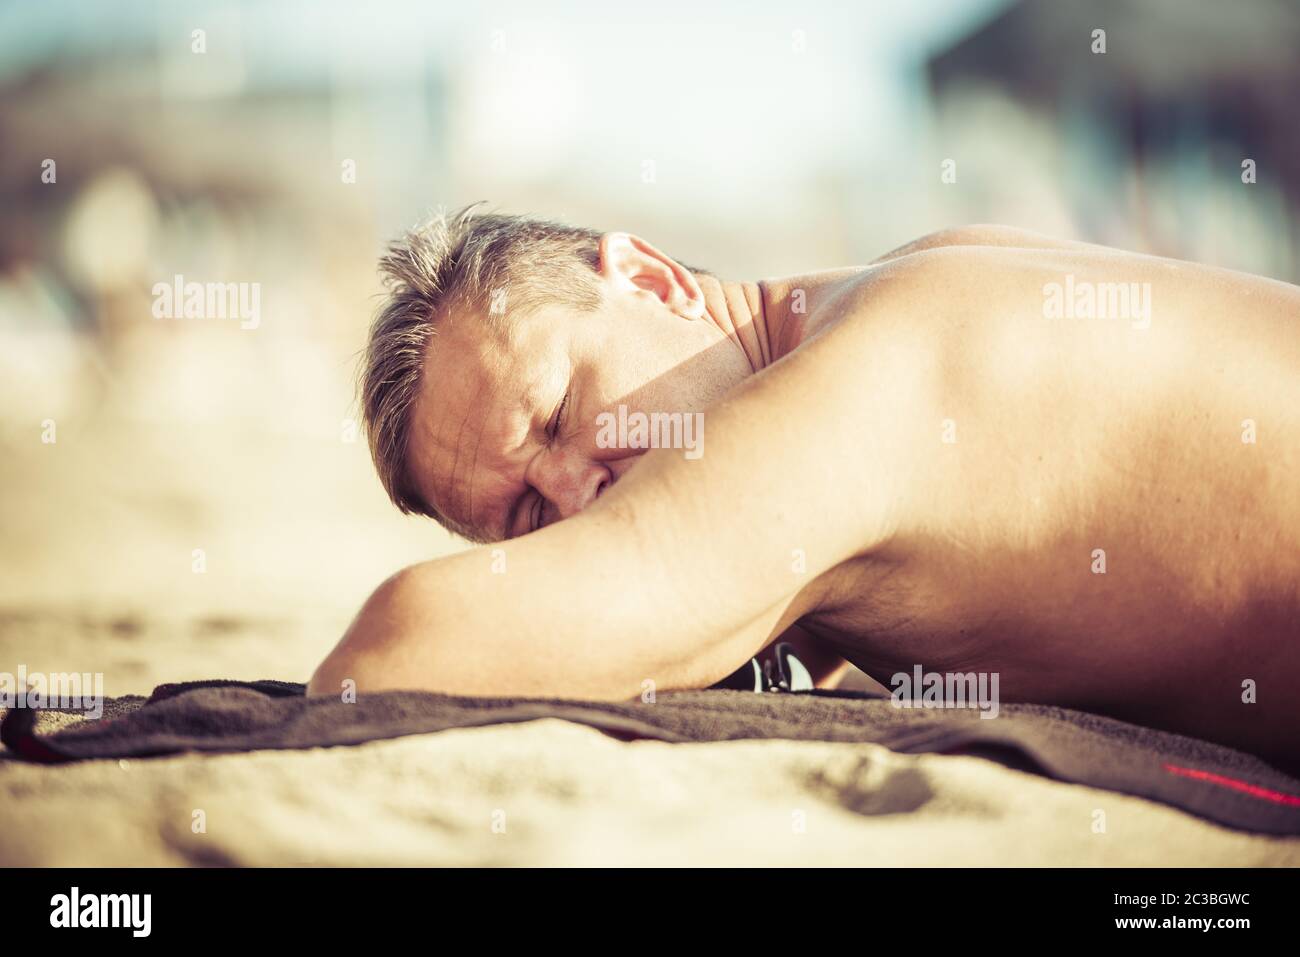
(682,570)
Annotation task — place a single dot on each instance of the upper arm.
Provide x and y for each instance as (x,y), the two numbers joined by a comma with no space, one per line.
(683,569)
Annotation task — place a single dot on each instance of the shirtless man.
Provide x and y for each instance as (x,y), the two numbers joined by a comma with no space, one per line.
(989,451)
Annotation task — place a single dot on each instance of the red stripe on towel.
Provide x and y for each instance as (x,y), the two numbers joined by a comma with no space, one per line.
(1254,790)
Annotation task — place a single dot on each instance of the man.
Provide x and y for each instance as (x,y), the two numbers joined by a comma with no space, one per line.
(988,451)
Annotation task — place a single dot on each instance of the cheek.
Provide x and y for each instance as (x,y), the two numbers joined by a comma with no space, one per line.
(626,371)
(663,372)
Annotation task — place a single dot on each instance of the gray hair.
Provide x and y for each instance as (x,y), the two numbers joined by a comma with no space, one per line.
(460,261)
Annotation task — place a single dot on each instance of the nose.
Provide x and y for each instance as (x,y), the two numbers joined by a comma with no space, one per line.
(569,480)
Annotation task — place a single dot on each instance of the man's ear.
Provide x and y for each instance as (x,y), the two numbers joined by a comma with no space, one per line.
(630,263)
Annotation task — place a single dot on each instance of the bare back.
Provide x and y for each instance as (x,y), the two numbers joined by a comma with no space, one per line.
(1104,507)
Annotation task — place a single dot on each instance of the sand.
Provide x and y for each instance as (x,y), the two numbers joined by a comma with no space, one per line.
(552,793)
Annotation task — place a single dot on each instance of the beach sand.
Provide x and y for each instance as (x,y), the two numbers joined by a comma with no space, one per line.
(552,793)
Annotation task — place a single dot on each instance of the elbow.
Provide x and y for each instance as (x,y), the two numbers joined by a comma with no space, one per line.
(370,654)
(346,669)
(333,676)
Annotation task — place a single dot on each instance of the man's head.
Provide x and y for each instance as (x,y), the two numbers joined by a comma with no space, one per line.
(502,341)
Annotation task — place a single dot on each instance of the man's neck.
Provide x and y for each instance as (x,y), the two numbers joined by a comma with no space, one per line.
(739,312)
(770,318)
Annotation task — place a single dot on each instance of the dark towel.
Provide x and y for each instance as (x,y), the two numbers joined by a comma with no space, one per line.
(1215,782)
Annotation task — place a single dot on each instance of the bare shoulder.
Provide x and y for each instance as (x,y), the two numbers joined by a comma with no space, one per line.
(1151,362)
(982,234)
(944,286)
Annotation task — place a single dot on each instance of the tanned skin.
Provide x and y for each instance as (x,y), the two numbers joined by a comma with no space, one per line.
(950,463)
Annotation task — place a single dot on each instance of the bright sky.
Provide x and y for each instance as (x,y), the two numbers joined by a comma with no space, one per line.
(773,86)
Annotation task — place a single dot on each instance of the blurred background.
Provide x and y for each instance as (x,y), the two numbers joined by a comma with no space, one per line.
(190,499)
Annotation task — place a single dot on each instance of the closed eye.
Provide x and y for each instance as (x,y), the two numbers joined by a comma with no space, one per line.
(537,508)
(559,415)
